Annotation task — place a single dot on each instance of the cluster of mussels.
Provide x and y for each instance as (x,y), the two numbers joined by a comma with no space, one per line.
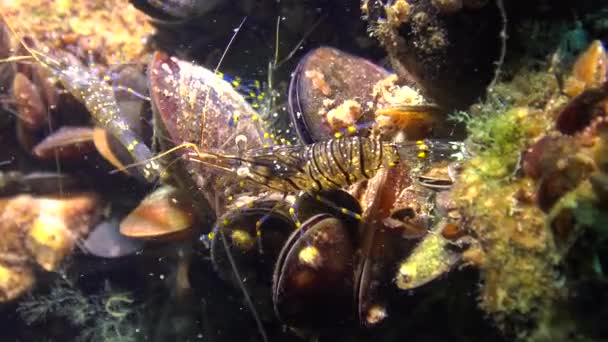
(309,217)
(332,267)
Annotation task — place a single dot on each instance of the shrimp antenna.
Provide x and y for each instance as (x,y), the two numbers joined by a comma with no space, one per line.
(297,46)
(219,63)
(35,54)
(159,156)
(236,32)
(16,59)
(248,301)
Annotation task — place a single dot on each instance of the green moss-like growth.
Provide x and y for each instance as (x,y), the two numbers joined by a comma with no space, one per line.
(509,121)
(499,139)
(519,254)
(530,221)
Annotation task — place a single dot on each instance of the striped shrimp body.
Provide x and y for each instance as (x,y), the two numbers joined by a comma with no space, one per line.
(98,97)
(328,165)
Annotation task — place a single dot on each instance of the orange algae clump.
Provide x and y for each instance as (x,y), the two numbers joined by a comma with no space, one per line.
(318,82)
(344,115)
(40,231)
(115,25)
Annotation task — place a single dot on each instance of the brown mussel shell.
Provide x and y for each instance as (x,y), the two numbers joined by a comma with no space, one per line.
(313,278)
(197,106)
(327,77)
(192,104)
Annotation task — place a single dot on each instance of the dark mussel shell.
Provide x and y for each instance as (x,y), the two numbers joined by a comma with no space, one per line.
(175,11)
(308,206)
(327,75)
(313,278)
(451,56)
(375,264)
(14,182)
(315,266)
(32,113)
(254,257)
(580,111)
(554,162)
(6,69)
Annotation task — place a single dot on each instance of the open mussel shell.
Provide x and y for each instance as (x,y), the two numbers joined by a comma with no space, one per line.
(325,78)
(433,256)
(166,213)
(237,249)
(313,277)
(588,87)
